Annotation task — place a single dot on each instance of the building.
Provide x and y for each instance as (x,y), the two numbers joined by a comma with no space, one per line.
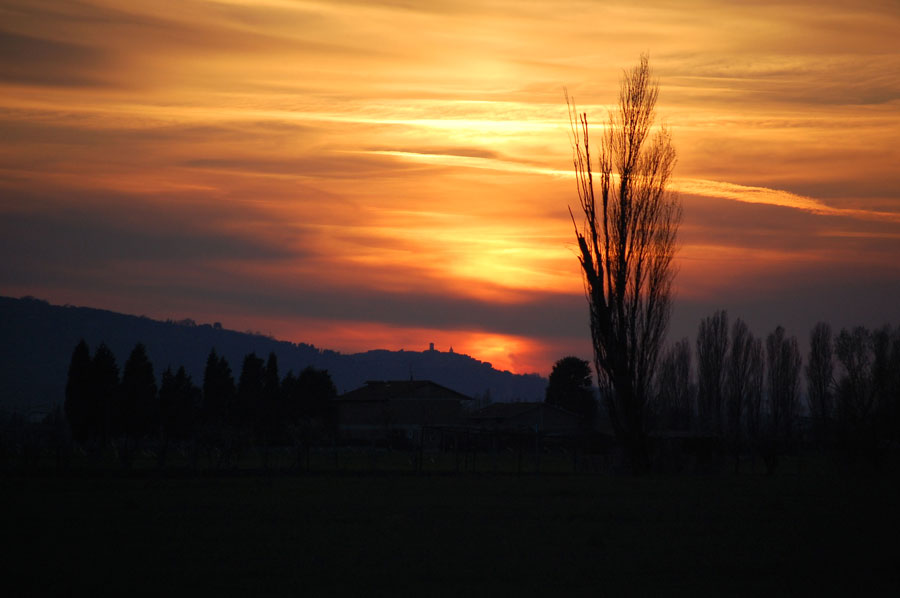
(398,409)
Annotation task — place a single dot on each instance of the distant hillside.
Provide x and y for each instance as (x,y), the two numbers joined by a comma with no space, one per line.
(37,339)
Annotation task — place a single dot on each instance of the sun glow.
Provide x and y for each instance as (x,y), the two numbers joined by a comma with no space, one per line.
(282,160)
(504,352)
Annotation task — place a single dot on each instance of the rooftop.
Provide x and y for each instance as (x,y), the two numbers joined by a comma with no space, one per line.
(383,390)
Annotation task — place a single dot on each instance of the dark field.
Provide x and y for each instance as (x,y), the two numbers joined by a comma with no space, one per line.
(446,535)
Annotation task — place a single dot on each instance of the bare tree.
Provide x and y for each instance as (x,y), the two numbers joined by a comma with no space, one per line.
(856,390)
(886,381)
(754,410)
(741,373)
(626,246)
(868,390)
(783,375)
(675,389)
(712,352)
(820,379)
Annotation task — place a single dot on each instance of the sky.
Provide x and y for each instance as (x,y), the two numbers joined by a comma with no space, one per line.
(363,175)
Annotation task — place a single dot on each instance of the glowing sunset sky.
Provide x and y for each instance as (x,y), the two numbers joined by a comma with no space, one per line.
(383,175)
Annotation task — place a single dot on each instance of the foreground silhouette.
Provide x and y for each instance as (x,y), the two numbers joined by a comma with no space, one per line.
(626,246)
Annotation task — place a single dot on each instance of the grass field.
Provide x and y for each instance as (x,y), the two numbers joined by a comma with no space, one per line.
(450,535)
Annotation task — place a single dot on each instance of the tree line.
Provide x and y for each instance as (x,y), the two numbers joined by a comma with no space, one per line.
(221,418)
(746,391)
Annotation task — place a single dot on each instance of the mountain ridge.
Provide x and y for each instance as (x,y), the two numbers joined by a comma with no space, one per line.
(37,340)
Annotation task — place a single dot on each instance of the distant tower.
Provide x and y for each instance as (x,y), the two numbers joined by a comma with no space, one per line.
(431,346)
(451,349)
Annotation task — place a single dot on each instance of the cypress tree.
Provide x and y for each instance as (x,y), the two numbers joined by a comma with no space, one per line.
(271,416)
(104,394)
(250,391)
(179,405)
(78,393)
(317,393)
(218,389)
(137,405)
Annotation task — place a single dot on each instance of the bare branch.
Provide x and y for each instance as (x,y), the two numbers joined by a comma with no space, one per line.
(626,248)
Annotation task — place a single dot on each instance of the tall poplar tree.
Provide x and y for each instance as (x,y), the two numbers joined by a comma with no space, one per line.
(626,244)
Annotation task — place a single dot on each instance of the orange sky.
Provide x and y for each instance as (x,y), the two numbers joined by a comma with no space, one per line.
(384,175)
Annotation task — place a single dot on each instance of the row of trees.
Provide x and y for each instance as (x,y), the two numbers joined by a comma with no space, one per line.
(853,383)
(747,392)
(626,234)
(104,409)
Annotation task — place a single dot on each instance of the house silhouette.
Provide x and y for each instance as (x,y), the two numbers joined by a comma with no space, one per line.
(398,409)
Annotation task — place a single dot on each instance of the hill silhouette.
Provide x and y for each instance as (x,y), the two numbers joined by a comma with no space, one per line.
(37,339)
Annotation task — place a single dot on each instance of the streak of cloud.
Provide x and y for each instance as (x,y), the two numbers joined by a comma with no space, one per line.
(383,170)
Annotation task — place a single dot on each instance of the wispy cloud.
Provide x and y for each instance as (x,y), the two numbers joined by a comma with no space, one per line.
(775,197)
(703,187)
(405,168)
